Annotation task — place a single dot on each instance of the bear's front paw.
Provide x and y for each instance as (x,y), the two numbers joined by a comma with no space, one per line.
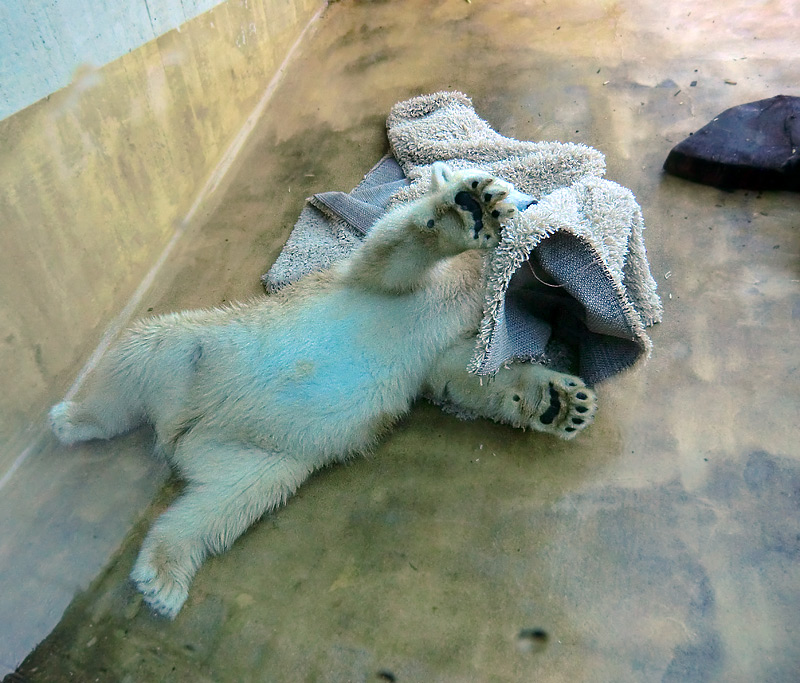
(477,201)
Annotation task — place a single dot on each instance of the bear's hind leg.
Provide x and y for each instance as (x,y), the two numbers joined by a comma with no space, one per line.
(229,487)
(526,395)
(110,408)
(145,376)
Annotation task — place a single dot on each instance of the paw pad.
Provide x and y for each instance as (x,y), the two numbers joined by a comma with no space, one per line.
(553,409)
(571,408)
(484,202)
(551,401)
(476,200)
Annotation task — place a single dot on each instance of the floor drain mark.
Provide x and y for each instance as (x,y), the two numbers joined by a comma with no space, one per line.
(532,640)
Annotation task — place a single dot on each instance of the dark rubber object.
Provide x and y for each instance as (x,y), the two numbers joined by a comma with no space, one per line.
(753,146)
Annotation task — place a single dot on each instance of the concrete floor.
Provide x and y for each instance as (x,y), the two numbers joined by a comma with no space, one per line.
(662,545)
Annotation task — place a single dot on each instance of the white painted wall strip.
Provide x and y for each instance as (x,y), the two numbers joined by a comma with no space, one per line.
(43,42)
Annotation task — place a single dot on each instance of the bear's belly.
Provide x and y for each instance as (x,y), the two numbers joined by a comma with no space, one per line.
(324,378)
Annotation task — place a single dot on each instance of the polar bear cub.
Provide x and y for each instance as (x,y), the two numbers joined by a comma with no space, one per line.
(248,400)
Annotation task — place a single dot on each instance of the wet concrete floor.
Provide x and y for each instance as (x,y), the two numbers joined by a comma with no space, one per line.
(663,544)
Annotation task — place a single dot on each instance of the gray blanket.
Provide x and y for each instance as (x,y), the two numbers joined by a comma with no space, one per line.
(569,285)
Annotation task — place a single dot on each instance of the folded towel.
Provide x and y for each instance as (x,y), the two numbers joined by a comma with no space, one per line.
(333,224)
(569,285)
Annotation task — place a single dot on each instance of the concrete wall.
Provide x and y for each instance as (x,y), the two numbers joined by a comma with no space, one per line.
(96,177)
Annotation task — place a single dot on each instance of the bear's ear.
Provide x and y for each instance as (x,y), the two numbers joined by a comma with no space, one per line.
(441,175)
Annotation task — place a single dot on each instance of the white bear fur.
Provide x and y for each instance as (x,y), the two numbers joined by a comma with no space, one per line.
(248,400)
